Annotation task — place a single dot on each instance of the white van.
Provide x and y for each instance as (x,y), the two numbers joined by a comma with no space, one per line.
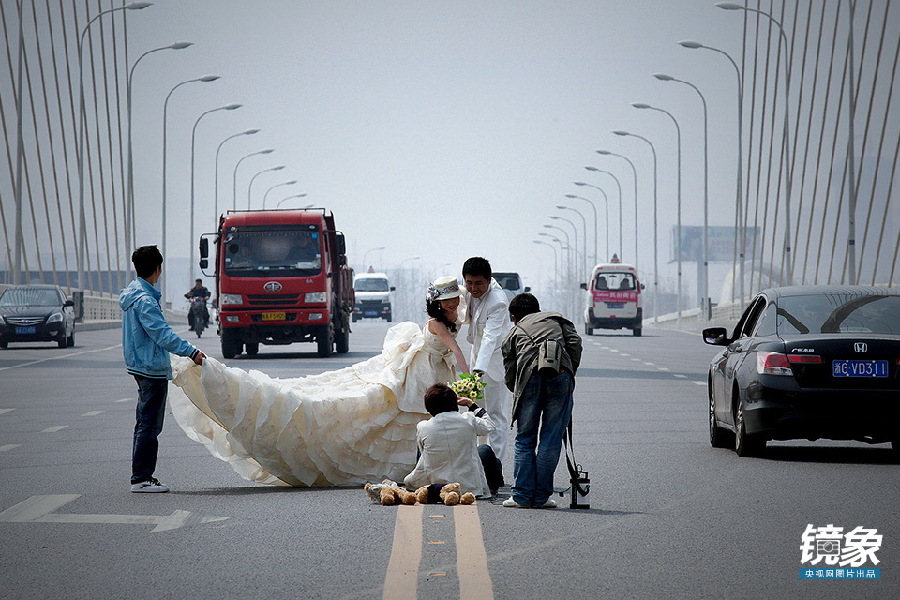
(373,297)
(613,299)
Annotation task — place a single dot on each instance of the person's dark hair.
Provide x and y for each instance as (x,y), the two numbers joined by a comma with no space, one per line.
(198,281)
(434,310)
(477,267)
(146,259)
(522,305)
(440,398)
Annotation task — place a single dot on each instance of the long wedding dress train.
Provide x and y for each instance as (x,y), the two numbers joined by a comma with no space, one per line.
(343,427)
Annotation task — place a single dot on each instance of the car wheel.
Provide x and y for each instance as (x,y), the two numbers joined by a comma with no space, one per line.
(63,343)
(744,443)
(252,348)
(719,437)
(636,332)
(588,330)
(4,345)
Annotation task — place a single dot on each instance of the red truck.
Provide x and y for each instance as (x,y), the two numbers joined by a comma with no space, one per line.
(281,277)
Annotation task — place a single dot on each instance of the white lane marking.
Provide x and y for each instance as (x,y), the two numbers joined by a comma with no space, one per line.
(54,429)
(471,556)
(680,376)
(43,360)
(40,509)
(124,399)
(3,411)
(8,447)
(636,359)
(650,364)
(663,368)
(613,350)
(624,354)
(701,383)
(93,413)
(402,577)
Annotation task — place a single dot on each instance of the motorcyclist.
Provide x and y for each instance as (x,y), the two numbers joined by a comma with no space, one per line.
(201,294)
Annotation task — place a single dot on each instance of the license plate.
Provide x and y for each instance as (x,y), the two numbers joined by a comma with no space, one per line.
(859,368)
(273,316)
(615,305)
(371,313)
(26,330)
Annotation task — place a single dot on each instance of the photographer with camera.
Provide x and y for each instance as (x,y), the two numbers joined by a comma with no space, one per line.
(541,354)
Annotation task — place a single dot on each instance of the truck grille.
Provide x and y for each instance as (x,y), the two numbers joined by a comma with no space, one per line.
(272,299)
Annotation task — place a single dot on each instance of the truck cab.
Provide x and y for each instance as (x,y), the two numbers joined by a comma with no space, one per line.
(373,297)
(613,299)
(281,278)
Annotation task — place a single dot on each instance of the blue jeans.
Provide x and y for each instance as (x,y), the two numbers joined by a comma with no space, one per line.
(151,409)
(545,409)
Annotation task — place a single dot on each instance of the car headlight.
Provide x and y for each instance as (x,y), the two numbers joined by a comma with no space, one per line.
(55,318)
(230,299)
(315,297)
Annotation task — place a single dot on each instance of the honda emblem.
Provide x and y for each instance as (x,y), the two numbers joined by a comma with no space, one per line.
(860,347)
(272,286)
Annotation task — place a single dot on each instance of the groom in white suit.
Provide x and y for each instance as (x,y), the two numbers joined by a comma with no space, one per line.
(487,314)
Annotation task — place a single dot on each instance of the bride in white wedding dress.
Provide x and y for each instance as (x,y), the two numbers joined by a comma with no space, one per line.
(343,427)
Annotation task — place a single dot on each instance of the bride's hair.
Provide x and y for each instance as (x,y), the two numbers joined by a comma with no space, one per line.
(434,310)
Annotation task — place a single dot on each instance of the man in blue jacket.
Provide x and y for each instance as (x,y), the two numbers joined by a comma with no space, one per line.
(147,341)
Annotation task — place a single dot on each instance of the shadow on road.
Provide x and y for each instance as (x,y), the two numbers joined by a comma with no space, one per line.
(832,454)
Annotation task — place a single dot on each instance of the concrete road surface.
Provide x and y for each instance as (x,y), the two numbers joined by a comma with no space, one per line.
(670,516)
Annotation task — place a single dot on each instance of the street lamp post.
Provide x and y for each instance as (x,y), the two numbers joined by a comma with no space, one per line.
(204,79)
(788,175)
(266,195)
(366,255)
(655,235)
(555,264)
(218,148)
(740,213)
(303,195)
(129,203)
(642,106)
(704,304)
(193,157)
(584,233)
(569,264)
(621,226)
(234,175)
(605,217)
(252,179)
(82,121)
(634,173)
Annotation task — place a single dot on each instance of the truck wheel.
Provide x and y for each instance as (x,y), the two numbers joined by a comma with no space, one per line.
(325,341)
(588,330)
(388,318)
(252,348)
(230,344)
(355,318)
(636,332)
(342,342)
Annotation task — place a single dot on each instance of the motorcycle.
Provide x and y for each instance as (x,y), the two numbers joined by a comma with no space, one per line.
(198,312)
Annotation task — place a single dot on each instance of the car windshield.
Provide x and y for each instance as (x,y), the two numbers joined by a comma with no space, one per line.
(371,284)
(508,282)
(838,313)
(29,297)
(614,281)
(288,251)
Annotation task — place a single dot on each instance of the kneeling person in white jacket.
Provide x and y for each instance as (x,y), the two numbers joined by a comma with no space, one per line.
(447,445)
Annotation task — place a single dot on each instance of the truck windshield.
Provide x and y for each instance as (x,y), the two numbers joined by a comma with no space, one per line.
(370,285)
(614,281)
(289,252)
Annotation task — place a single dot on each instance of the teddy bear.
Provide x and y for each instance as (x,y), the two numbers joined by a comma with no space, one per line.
(388,493)
(448,493)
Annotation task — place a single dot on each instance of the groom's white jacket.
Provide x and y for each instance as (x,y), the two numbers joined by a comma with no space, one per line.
(488,325)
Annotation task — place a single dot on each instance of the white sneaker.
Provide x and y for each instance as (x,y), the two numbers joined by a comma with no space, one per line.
(511,503)
(550,503)
(151,486)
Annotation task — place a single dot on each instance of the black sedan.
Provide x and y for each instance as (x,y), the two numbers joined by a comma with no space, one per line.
(808,362)
(36,313)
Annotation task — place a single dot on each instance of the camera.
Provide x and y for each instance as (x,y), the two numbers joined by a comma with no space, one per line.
(581,486)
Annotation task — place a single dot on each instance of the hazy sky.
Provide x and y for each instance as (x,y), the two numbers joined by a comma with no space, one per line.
(439,130)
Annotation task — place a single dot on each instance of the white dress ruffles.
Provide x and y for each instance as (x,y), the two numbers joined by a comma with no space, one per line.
(343,427)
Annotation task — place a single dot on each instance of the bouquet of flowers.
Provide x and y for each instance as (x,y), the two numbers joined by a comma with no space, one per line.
(468,385)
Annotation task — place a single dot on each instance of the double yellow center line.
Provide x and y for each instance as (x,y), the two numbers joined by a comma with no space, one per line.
(402,578)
